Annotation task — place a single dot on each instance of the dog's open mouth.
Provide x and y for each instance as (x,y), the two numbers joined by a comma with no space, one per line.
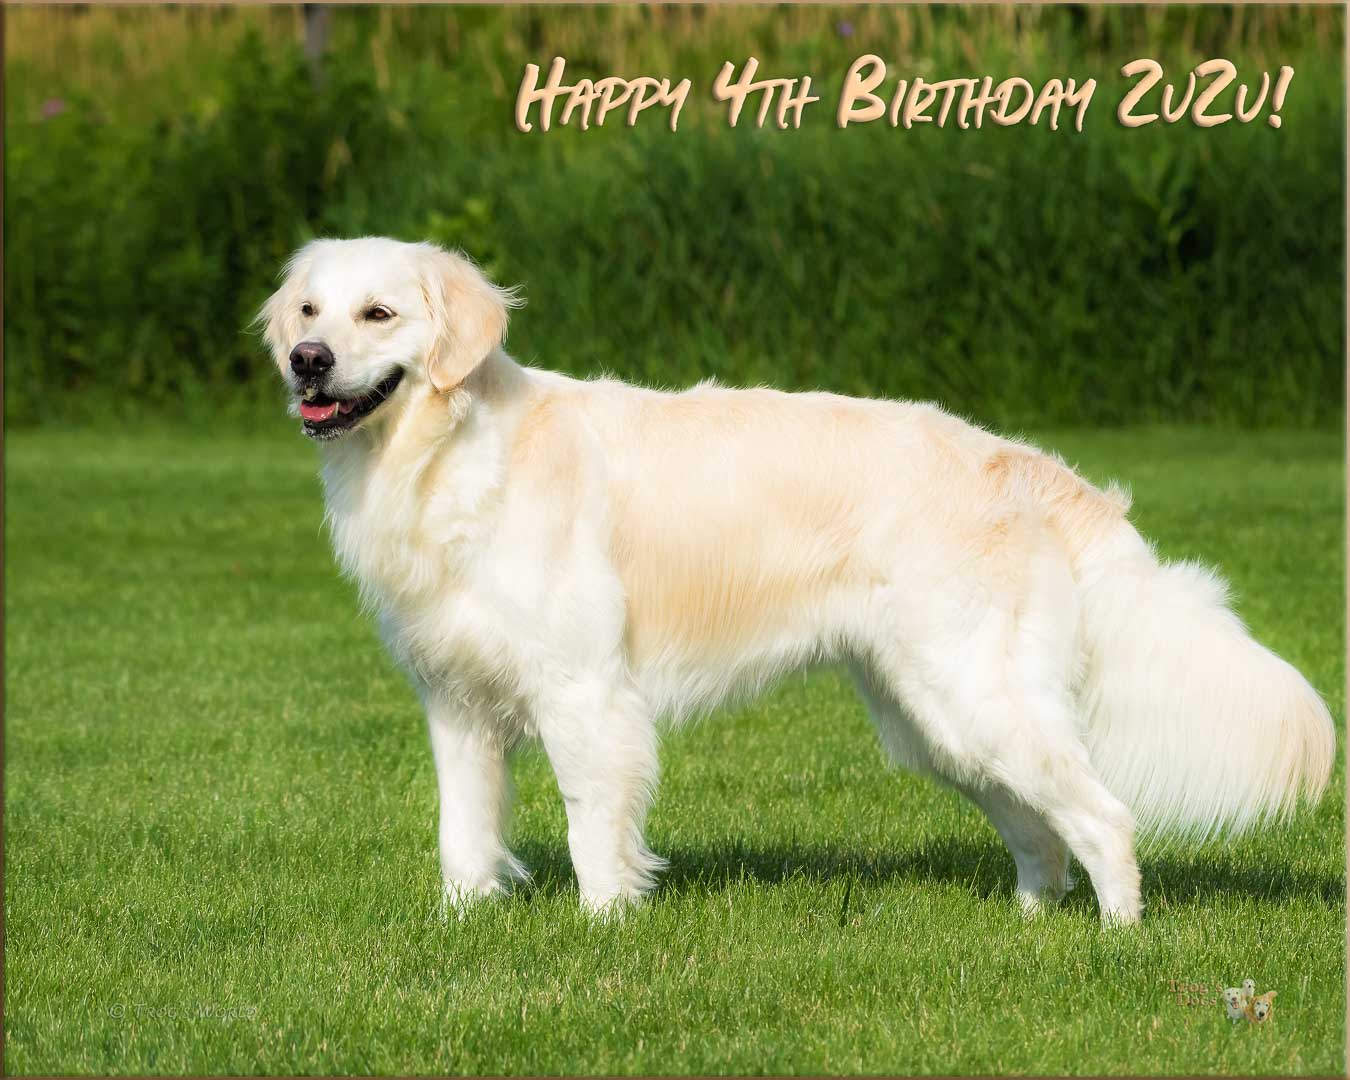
(327,417)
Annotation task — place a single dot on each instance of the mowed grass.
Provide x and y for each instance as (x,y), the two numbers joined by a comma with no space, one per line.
(220,846)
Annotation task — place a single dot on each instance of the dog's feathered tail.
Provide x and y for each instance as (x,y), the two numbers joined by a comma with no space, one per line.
(1195,726)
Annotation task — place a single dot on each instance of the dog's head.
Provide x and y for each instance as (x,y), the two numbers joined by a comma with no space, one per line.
(360,323)
(1262,1005)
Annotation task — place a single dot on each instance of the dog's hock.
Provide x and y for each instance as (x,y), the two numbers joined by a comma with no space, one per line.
(469,314)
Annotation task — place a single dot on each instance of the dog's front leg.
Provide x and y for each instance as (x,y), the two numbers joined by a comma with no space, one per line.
(475,790)
(602,745)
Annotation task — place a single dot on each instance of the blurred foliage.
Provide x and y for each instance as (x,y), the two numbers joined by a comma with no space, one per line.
(161,163)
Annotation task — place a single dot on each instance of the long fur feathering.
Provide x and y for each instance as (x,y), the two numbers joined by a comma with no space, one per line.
(1199,729)
(1194,725)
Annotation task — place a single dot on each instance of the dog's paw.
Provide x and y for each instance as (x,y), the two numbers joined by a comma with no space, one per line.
(1119,918)
(610,908)
(458,899)
(1034,904)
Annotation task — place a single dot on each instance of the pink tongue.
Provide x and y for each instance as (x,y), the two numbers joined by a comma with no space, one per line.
(318,413)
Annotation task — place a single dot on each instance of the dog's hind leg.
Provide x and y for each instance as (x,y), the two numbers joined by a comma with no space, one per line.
(1057,782)
(1041,857)
(602,744)
(987,677)
(1011,740)
(902,743)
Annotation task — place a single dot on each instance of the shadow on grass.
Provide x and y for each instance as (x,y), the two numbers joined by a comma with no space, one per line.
(983,867)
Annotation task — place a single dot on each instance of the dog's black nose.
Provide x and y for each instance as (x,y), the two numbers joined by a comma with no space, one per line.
(311,359)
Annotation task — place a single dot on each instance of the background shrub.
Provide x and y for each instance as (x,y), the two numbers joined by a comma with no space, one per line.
(162,163)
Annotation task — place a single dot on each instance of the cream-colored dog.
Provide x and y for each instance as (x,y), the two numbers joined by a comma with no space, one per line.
(575,561)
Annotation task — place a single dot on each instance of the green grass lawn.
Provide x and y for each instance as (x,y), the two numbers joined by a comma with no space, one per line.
(220,852)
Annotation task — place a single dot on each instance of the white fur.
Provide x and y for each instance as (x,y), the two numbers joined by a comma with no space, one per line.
(573,561)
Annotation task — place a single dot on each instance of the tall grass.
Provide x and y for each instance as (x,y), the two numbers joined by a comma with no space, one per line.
(161,163)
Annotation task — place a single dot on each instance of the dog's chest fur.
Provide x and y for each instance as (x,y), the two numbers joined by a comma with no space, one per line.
(414,526)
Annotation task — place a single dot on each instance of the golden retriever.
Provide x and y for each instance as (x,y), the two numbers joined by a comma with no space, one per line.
(575,561)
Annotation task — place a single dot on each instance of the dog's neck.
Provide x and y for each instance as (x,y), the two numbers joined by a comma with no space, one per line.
(419,481)
(411,431)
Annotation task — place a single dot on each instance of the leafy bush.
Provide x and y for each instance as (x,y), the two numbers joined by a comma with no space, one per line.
(1019,275)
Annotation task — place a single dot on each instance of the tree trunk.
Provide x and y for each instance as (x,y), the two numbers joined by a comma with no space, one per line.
(316,41)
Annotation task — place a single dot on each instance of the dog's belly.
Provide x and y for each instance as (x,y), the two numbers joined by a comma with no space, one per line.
(689,674)
(680,689)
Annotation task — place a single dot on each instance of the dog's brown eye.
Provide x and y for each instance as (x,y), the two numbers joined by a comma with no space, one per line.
(307,310)
(379,313)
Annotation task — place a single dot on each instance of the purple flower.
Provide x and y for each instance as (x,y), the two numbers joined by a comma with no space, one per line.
(53,107)
(844,29)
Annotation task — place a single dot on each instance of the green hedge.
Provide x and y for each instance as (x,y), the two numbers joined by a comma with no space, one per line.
(1017,275)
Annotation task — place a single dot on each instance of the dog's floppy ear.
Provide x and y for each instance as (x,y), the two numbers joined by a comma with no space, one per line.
(468,313)
(279,318)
